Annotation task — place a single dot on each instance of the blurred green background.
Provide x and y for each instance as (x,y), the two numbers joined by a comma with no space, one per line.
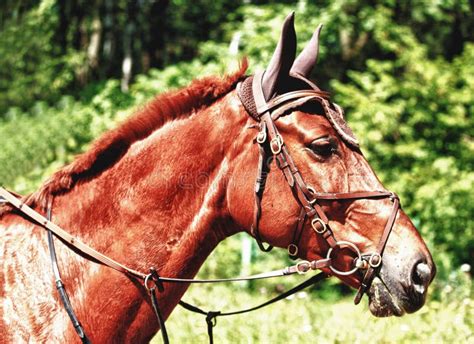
(403,71)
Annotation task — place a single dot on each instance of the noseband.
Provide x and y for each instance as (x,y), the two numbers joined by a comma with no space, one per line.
(272,147)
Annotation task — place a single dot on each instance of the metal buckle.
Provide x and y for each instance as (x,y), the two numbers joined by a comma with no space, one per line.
(278,140)
(312,191)
(306,267)
(147,279)
(378,262)
(353,248)
(155,279)
(262,136)
(292,250)
(313,224)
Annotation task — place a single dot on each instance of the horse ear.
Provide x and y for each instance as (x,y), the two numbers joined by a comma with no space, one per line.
(282,59)
(307,59)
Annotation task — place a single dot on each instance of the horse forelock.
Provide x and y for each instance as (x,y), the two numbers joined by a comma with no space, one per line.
(111,146)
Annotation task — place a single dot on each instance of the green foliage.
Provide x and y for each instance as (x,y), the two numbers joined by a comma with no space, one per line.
(30,67)
(41,137)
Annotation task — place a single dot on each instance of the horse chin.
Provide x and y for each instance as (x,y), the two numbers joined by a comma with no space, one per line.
(382,301)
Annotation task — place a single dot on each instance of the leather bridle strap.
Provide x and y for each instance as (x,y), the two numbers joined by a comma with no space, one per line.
(297,185)
(269,133)
(211,316)
(373,265)
(263,168)
(68,238)
(352,195)
(293,248)
(266,113)
(60,285)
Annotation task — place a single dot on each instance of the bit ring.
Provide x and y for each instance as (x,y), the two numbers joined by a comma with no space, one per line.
(353,248)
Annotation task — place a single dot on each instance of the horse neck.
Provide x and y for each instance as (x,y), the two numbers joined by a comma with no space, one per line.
(162,205)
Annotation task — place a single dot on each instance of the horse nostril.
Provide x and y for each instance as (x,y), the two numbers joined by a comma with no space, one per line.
(421,276)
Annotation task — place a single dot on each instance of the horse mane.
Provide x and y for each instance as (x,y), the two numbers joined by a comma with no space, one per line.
(113,145)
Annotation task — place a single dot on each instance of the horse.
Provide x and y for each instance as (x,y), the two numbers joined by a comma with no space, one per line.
(175,179)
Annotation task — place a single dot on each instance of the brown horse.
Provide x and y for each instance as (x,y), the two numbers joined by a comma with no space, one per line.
(165,187)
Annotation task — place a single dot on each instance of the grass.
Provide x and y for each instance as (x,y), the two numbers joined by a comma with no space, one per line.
(318,315)
(308,319)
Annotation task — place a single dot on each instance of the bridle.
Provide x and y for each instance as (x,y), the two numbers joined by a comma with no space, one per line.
(271,142)
(271,147)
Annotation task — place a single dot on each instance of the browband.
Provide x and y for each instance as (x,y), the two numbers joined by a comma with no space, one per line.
(251,94)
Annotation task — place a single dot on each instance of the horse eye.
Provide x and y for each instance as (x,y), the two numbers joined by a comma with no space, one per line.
(323,147)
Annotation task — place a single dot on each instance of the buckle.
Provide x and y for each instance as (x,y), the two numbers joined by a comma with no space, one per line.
(278,141)
(378,260)
(361,263)
(323,225)
(303,267)
(311,191)
(292,250)
(262,136)
(393,196)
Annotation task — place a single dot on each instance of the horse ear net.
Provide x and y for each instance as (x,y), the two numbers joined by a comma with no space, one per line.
(307,59)
(282,59)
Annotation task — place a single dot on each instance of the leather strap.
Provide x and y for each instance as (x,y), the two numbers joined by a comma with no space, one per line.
(370,273)
(68,238)
(301,267)
(266,112)
(353,195)
(263,168)
(293,247)
(211,316)
(155,278)
(280,100)
(60,285)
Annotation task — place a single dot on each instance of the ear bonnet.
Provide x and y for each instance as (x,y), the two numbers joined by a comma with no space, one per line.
(284,75)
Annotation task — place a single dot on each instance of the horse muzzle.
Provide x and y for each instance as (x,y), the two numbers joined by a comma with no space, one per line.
(389,295)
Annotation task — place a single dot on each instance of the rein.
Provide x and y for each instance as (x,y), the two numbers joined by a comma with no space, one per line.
(151,281)
(271,147)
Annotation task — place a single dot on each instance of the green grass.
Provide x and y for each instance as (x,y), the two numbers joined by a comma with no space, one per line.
(318,315)
(308,319)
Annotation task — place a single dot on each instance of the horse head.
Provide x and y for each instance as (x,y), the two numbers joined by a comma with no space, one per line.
(324,202)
